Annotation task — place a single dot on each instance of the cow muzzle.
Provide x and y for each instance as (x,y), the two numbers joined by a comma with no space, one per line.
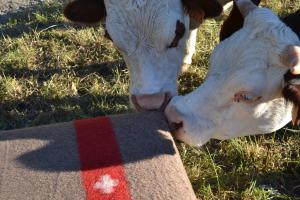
(157,101)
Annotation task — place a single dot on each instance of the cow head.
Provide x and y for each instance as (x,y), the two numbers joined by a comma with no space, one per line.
(251,86)
(151,36)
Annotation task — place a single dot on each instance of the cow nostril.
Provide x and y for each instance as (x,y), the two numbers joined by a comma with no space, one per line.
(176,126)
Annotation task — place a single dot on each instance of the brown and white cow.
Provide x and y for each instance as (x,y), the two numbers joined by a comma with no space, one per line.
(155,38)
(252,87)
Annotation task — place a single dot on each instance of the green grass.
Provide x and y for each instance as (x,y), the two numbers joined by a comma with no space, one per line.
(53,72)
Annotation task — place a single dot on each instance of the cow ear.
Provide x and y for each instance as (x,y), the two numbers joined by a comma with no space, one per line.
(85,11)
(234,22)
(291,93)
(201,9)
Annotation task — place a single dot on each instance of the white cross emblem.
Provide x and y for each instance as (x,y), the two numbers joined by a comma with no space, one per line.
(106,184)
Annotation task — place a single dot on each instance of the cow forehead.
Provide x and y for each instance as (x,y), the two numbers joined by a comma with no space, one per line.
(130,5)
(260,42)
(147,22)
(150,17)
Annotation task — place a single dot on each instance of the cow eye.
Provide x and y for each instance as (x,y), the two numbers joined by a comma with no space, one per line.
(179,33)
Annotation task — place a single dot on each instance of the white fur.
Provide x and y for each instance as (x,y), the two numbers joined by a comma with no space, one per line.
(247,61)
(191,47)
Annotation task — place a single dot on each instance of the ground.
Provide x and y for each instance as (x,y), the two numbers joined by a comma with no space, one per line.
(53,71)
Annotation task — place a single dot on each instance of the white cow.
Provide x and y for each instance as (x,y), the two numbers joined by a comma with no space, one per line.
(152,36)
(249,89)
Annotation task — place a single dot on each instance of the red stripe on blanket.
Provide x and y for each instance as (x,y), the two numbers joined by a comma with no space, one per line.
(101,165)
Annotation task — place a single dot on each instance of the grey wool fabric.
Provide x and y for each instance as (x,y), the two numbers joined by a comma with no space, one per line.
(46,162)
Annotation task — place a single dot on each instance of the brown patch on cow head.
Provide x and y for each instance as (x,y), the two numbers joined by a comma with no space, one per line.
(179,33)
(234,22)
(291,93)
(85,11)
(201,9)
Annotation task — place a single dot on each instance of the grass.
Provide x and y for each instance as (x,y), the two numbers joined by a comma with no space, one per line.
(51,71)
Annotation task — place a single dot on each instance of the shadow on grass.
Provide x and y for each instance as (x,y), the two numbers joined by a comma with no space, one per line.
(37,110)
(282,183)
(104,69)
(21,29)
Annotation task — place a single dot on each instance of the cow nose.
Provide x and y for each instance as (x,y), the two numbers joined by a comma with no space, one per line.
(174,118)
(156,101)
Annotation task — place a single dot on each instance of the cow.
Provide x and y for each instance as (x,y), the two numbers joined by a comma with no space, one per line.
(155,38)
(252,86)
